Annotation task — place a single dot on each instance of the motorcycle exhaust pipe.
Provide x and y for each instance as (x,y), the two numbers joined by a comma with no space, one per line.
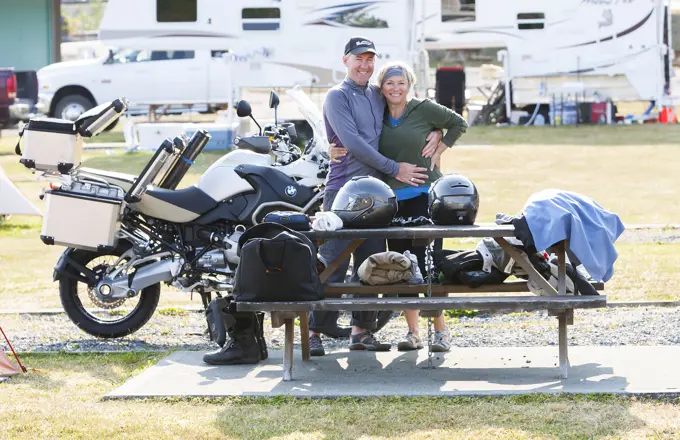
(144,277)
(194,147)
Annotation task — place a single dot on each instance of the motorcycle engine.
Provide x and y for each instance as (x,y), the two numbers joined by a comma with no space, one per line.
(213,260)
(221,258)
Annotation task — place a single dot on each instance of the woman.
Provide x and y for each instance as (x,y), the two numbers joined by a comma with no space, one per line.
(406,124)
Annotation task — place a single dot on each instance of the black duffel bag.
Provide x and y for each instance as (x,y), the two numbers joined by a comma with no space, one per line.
(277,264)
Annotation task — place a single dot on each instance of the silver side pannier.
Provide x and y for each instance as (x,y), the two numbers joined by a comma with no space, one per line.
(83,216)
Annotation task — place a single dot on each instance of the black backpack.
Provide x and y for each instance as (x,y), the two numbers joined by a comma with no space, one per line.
(277,264)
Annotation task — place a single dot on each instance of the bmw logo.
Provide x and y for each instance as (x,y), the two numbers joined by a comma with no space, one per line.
(291,191)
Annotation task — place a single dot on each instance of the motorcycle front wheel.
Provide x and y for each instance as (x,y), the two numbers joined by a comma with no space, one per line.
(99,318)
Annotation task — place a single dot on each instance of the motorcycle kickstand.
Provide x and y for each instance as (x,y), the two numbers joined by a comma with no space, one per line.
(206,297)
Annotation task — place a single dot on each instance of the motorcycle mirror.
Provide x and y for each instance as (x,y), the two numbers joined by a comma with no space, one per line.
(273,99)
(243,109)
(274,103)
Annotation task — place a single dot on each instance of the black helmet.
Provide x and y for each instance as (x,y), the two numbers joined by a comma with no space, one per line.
(365,202)
(453,200)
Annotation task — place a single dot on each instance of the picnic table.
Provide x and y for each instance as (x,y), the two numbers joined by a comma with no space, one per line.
(558,303)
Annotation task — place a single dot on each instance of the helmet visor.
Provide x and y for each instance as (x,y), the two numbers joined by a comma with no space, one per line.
(352,202)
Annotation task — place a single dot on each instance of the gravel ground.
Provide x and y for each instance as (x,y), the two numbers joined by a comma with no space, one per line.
(614,326)
(653,235)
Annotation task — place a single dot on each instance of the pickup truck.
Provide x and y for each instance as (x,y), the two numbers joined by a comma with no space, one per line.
(11,110)
(197,78)
(201,79)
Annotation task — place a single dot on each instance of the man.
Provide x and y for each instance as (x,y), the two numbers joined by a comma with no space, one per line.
(353,114)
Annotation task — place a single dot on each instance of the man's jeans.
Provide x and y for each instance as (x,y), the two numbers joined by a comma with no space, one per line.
(318,321)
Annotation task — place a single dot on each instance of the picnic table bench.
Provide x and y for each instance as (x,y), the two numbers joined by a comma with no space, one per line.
(557,304)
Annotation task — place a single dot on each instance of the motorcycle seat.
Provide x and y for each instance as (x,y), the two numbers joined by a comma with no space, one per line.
(191,198)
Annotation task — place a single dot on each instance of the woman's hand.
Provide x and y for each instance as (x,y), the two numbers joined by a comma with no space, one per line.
(433,140)
(436,160)
(336,153)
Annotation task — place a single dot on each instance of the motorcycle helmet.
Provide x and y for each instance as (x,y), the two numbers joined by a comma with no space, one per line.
(365,202)
(453,200)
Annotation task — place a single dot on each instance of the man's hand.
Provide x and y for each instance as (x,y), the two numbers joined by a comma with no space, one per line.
(336,153)
(433,140)
(411,174)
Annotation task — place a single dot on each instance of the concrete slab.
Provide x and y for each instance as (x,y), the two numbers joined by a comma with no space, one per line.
(464,371)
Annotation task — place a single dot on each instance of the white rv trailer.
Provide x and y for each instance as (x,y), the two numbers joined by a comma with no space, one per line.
(619,49)
(271,43)
(616,49)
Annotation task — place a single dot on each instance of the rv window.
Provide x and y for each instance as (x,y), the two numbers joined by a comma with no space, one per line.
(531,16)
(458,10)
(531,20)
(176,11)
(261,19)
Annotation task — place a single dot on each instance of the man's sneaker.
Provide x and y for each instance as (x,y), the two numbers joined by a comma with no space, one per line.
(442,342)
(366,341)
(316,346)
(411,342)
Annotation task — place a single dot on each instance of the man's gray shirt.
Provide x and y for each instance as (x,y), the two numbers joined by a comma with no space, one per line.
(353,116)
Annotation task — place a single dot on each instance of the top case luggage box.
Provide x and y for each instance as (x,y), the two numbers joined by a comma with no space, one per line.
(49,144)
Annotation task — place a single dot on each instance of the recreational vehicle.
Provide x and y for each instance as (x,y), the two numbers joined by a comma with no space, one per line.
(608,49)
(203,51)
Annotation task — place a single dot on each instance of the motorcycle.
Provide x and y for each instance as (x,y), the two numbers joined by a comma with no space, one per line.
(125,235)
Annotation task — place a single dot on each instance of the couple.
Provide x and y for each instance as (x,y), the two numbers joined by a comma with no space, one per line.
(377,131)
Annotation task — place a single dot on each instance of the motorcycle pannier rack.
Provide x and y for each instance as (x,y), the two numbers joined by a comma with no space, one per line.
(49,144)
(80,220)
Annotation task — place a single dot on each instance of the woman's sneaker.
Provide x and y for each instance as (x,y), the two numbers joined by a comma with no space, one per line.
(442,342)
(410,342)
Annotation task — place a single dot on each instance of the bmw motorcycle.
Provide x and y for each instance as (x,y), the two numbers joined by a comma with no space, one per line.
(125,235)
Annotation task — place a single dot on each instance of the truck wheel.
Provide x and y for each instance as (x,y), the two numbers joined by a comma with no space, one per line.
(72,106)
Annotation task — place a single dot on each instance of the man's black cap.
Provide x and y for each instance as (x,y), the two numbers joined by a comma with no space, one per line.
(357,45)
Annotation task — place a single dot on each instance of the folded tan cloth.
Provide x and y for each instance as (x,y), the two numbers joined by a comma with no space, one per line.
(385,268)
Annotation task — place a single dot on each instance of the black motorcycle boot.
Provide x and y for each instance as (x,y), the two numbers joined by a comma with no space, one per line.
(259,335)
(242,347)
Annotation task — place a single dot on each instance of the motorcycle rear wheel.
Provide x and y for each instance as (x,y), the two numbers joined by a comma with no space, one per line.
(94,324)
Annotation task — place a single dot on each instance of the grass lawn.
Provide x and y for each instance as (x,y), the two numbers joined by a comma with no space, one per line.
(615,135)
(64,400)
(638,182)
(629,170)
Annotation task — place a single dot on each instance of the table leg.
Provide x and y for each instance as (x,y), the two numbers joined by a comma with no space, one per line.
(564,345)
(333,265)
(288,350)
(304,335)
(561,248)
(523,260)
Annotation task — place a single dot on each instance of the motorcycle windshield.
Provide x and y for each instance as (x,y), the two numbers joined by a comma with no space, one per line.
(314,117)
